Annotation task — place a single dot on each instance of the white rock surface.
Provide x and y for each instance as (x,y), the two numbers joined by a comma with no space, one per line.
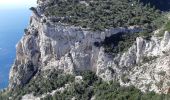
(68,48)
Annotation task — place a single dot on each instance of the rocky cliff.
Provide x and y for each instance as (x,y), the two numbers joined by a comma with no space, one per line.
(54,45)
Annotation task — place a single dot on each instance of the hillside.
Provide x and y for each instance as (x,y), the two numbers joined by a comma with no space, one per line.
(92,50)
(102,14)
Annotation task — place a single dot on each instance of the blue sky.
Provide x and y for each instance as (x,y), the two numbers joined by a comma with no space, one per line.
(12,4)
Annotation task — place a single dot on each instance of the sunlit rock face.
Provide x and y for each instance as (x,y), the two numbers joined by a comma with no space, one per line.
(48,45)
(54,45)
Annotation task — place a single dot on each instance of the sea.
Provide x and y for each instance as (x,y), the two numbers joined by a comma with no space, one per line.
(12,25)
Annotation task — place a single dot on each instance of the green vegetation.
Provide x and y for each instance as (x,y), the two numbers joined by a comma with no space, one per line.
(164,23)
(117,43)
(125,78)
(121,42)
(162,73)
(160,84)
(104,91)
(83,90)
(98,15)
(167,26)
(43,83)
(103,14)
(149,58)
(3,95)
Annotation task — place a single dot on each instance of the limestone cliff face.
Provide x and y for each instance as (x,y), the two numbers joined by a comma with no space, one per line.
(49,45)
(54,45)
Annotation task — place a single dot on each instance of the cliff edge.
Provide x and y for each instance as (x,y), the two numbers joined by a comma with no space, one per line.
(50,45)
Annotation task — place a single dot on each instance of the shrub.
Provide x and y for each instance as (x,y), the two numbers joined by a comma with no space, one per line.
(162,73)
(41,84)
(103,14)
(125,79)
(85,91)
(147,59)
(117,43)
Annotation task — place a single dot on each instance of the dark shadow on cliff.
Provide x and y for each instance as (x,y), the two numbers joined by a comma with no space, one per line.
(117,43)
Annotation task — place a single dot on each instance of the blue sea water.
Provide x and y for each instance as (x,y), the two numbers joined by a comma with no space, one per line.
(12,24)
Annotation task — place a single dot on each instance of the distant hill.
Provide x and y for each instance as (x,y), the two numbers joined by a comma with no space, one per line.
(163,5)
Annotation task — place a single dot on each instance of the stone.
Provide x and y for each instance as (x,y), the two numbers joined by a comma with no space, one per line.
(68,48)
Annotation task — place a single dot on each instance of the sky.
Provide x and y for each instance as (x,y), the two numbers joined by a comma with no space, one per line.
(12,4)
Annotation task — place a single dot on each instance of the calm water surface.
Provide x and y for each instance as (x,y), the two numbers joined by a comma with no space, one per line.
(12,24)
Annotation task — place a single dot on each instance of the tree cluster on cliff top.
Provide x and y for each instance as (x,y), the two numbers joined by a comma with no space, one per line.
(103,14)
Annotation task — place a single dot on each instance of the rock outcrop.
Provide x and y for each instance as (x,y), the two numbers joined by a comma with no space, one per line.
(50,45)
